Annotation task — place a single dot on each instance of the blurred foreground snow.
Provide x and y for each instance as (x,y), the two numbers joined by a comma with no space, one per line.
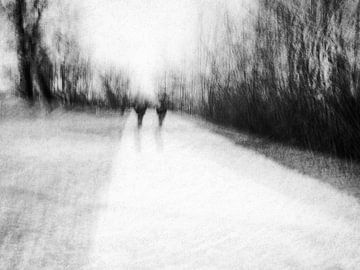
(185,198)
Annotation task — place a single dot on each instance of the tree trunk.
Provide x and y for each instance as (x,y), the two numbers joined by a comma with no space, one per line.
(24,59)
(356,71)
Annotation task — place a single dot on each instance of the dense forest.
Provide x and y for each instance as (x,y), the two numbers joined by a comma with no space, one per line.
(289,70)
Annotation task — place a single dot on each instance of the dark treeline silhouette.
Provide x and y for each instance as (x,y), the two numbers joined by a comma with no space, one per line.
(116,86)
(59,74)
(289,71)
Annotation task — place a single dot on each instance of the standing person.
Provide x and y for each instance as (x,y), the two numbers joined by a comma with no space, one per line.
(140,109)
(161,108)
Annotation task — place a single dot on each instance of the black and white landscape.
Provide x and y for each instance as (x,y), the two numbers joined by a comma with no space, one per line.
(188,134)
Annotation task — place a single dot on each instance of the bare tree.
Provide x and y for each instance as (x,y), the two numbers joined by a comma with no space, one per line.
(290,72)
(33,62)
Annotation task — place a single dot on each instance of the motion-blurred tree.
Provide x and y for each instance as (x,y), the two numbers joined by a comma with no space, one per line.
(288,70)
(116,86)
(33,62)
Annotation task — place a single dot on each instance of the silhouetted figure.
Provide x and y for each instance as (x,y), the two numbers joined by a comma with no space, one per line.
(140,109)
(161,108)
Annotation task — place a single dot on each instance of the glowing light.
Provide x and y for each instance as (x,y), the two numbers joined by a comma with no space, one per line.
(140,35)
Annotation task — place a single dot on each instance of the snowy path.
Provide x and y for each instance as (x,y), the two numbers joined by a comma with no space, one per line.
(185,198)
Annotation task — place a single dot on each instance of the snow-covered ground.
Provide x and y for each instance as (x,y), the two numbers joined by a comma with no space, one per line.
(53,171)
(182,197)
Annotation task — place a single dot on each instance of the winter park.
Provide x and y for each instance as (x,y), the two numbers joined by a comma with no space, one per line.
(192,134)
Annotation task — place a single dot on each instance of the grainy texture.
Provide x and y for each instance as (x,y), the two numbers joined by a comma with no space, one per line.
(183,197)
(52,170)
(80,191)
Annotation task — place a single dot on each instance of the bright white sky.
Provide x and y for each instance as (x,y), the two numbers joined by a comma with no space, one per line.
(142,36)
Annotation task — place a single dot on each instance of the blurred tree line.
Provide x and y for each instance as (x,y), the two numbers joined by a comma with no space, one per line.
(53,68)
(288,70)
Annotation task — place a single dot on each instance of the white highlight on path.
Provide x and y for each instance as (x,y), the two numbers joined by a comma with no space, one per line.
(185,198)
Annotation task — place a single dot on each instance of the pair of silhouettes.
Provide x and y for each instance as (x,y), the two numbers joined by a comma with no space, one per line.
(140,109)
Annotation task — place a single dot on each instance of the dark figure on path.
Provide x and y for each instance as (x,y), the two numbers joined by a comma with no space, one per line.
(140,109)
(161,108)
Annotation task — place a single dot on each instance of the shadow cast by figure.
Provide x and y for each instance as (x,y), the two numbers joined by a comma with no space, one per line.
(138,135)
(159,139)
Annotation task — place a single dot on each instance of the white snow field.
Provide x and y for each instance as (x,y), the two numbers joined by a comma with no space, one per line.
(185,198)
